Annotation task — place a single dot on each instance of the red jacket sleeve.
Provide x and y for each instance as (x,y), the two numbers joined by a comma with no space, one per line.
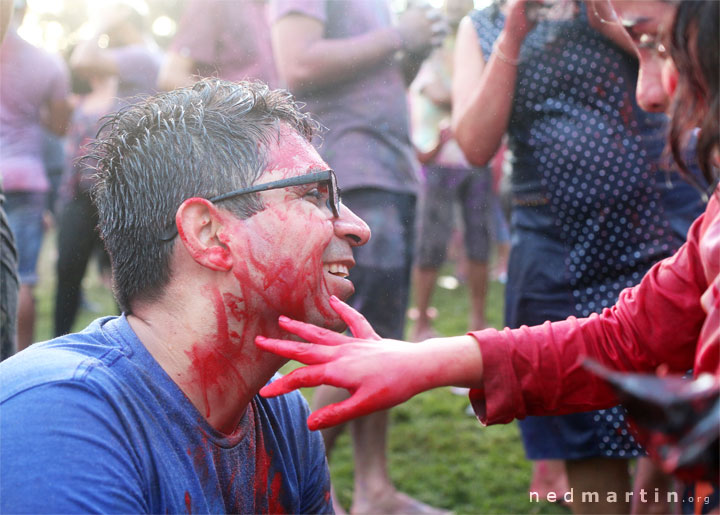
(538,370)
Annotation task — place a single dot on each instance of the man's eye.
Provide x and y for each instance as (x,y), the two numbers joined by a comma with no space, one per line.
(316,195)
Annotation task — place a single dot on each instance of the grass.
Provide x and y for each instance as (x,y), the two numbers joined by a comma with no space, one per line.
(437,453)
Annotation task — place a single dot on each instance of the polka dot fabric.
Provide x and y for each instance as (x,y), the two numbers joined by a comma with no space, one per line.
(587,155)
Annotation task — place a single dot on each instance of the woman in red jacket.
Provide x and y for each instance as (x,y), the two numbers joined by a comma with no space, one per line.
(670,320)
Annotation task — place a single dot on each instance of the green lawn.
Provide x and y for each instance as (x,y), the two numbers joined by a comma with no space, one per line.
(437,453)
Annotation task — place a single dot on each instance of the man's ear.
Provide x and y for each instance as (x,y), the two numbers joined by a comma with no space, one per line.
(198,222)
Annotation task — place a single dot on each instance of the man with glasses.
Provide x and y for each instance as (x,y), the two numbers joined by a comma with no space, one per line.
(219,217)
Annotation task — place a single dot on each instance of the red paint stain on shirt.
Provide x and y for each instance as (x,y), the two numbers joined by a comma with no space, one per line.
(267,492)
(188,502)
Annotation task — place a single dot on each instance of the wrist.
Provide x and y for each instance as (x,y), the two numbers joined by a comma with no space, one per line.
(509,46)
(452,361)
(510,56)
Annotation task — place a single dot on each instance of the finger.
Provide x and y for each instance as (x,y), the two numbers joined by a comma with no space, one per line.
(304,377)
(308,353)
(341,412)
(357,323)
(312,333)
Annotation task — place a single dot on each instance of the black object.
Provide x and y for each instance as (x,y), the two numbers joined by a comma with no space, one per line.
(676,419)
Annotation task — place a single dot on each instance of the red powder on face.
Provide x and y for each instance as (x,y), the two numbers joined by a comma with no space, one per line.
(216,361)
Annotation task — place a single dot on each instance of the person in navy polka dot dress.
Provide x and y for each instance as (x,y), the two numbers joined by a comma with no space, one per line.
(593,209)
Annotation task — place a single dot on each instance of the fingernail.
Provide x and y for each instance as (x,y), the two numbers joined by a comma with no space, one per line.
(259,338)
(283,318)
(334,298)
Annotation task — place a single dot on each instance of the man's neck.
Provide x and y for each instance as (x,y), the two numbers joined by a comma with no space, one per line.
(206,345)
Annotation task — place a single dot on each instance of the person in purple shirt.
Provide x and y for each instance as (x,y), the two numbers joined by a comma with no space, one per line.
(230,40)
(117,74)
(33,95)
(351,65)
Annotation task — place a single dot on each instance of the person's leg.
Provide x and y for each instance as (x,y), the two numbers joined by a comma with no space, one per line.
(600,476)
(26,316)
(76,239)
(656,485)
(549,476)
(478,284)
(424,279)
(501,235)
(475,201)
(25,216)
(435,221)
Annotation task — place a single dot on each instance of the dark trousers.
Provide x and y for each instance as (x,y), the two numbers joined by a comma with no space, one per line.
(77,238)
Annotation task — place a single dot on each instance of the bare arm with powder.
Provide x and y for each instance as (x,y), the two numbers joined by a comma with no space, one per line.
(307,60)
(483,88)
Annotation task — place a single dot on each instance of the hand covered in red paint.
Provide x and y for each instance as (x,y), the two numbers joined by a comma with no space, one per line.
(378,373)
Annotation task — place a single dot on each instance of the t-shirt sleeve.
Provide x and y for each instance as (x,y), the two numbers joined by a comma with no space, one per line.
(538,370)
(312,8)
(64,451)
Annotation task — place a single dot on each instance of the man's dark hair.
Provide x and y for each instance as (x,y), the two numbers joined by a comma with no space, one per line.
(199,141)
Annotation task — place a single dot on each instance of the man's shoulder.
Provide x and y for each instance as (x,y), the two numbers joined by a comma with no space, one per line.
(66,359)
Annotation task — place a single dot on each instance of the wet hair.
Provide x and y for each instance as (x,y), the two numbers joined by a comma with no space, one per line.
(199,141)
(694,49)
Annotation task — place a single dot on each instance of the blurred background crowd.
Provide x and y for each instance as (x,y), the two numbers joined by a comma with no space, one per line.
(550,155)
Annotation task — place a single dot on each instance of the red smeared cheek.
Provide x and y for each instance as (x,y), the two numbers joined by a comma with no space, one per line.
(282,265)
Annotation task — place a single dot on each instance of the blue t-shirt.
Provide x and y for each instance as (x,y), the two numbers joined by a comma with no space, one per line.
(90,422)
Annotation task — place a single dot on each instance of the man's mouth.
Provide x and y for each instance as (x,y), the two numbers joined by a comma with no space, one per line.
(337,269)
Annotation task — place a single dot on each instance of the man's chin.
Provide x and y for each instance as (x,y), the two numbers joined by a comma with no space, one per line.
(342,288)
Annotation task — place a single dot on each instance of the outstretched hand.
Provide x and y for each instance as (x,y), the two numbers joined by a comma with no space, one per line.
(378,373)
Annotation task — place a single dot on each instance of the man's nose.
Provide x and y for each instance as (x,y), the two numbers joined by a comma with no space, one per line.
(351,227)
(650,94)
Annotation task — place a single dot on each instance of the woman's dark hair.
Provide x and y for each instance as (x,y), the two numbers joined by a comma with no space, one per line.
(694,49)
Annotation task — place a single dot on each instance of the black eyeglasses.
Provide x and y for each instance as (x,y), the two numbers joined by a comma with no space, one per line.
(326,177)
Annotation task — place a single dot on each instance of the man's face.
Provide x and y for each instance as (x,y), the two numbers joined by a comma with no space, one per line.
(649,23)
(292,256)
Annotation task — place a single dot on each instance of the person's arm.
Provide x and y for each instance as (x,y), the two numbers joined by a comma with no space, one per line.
(431,84)
(6,10)
(483,88)
(307,60)
(352,363)
(58,108)
(513,373)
